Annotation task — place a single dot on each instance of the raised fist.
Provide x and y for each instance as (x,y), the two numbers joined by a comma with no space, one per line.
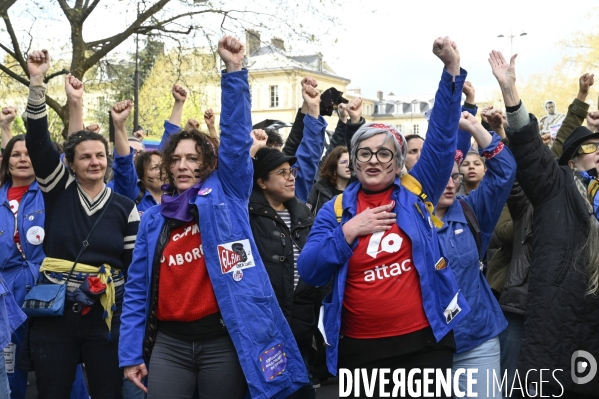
(468,90)
(311,95)
(485,111)
(593,121)
(179,93)
(494,117)
(139,134)
(192,124)
(8,115)
(447,51)
(94,127)
(73,87)
(308,80)
(38,63)
(231,51)
(260,137)
(468,122)
(355,110)
(209,117)
(585,82)
(343,112)
(120,111)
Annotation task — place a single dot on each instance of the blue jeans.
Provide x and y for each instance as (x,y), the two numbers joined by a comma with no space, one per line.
(4,388)
(511,342)
(131,391)
(485,358)
(177,367)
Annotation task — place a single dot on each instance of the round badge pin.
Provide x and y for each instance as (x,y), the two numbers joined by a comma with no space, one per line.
(205,191)
(35,235)
(14,206)
(238,275)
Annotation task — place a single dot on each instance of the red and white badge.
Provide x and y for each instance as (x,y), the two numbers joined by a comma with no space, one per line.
(238,275)
(35,235)
(235,255)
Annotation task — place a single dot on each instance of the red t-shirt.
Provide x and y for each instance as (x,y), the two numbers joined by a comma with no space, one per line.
(382,291)
(14,199)
(184,288)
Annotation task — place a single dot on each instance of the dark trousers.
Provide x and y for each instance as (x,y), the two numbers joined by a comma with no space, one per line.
(439,357)
(177,367)
(59,344)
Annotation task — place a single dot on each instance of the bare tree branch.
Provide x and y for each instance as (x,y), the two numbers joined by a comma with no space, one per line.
(88,9)
(55,74)
(59,109)
(14,75)
(68,11)
(17,54)
(115,40)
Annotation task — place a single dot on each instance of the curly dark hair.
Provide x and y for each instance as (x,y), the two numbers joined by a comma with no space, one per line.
(75,139)
(328,172)
(207,150)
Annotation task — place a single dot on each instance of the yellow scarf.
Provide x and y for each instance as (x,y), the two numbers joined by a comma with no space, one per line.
(104,274)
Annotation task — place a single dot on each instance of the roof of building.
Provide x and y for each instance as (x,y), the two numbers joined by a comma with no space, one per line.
(270,57)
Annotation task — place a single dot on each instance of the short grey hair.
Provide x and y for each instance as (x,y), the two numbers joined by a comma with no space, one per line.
(372,129)
(143,146)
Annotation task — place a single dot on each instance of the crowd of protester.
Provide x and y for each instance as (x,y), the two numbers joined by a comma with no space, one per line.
(237,264)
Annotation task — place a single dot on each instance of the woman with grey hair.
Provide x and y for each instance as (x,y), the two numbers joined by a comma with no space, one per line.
(394,300)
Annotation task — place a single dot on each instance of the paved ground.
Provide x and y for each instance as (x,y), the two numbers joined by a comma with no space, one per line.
(328,390)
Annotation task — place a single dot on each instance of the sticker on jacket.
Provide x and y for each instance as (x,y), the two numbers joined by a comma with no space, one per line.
(235,256)
(273,361)
(452,310)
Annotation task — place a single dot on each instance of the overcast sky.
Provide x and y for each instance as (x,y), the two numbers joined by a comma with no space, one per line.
(386,45)
(391,49)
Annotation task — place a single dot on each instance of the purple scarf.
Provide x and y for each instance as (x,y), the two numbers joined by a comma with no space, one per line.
(179,207)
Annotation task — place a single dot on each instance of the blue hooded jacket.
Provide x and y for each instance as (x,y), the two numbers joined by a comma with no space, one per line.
(486,319)
(327,254)
(267,351)
(20,272)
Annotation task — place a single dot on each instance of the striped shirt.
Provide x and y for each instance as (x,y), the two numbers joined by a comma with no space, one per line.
(285,217)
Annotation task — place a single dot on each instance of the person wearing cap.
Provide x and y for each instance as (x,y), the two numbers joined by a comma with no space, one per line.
(562,311)
(394,300)
(476,337)
(281,222)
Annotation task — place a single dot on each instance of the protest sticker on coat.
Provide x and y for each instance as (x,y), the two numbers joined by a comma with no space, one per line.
(235,255)
(273,361)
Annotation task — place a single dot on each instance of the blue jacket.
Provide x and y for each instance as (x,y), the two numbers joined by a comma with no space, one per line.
(485,320)
(20,272)
(326,253)
(125,175)
(248,306)
(11,315)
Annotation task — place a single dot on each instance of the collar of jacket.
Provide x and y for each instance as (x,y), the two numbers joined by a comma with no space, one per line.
(454,213)
(298,211)
(4,189)
(324,187)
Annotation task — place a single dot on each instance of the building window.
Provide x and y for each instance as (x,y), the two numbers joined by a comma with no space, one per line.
(416,129)
(274,96)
